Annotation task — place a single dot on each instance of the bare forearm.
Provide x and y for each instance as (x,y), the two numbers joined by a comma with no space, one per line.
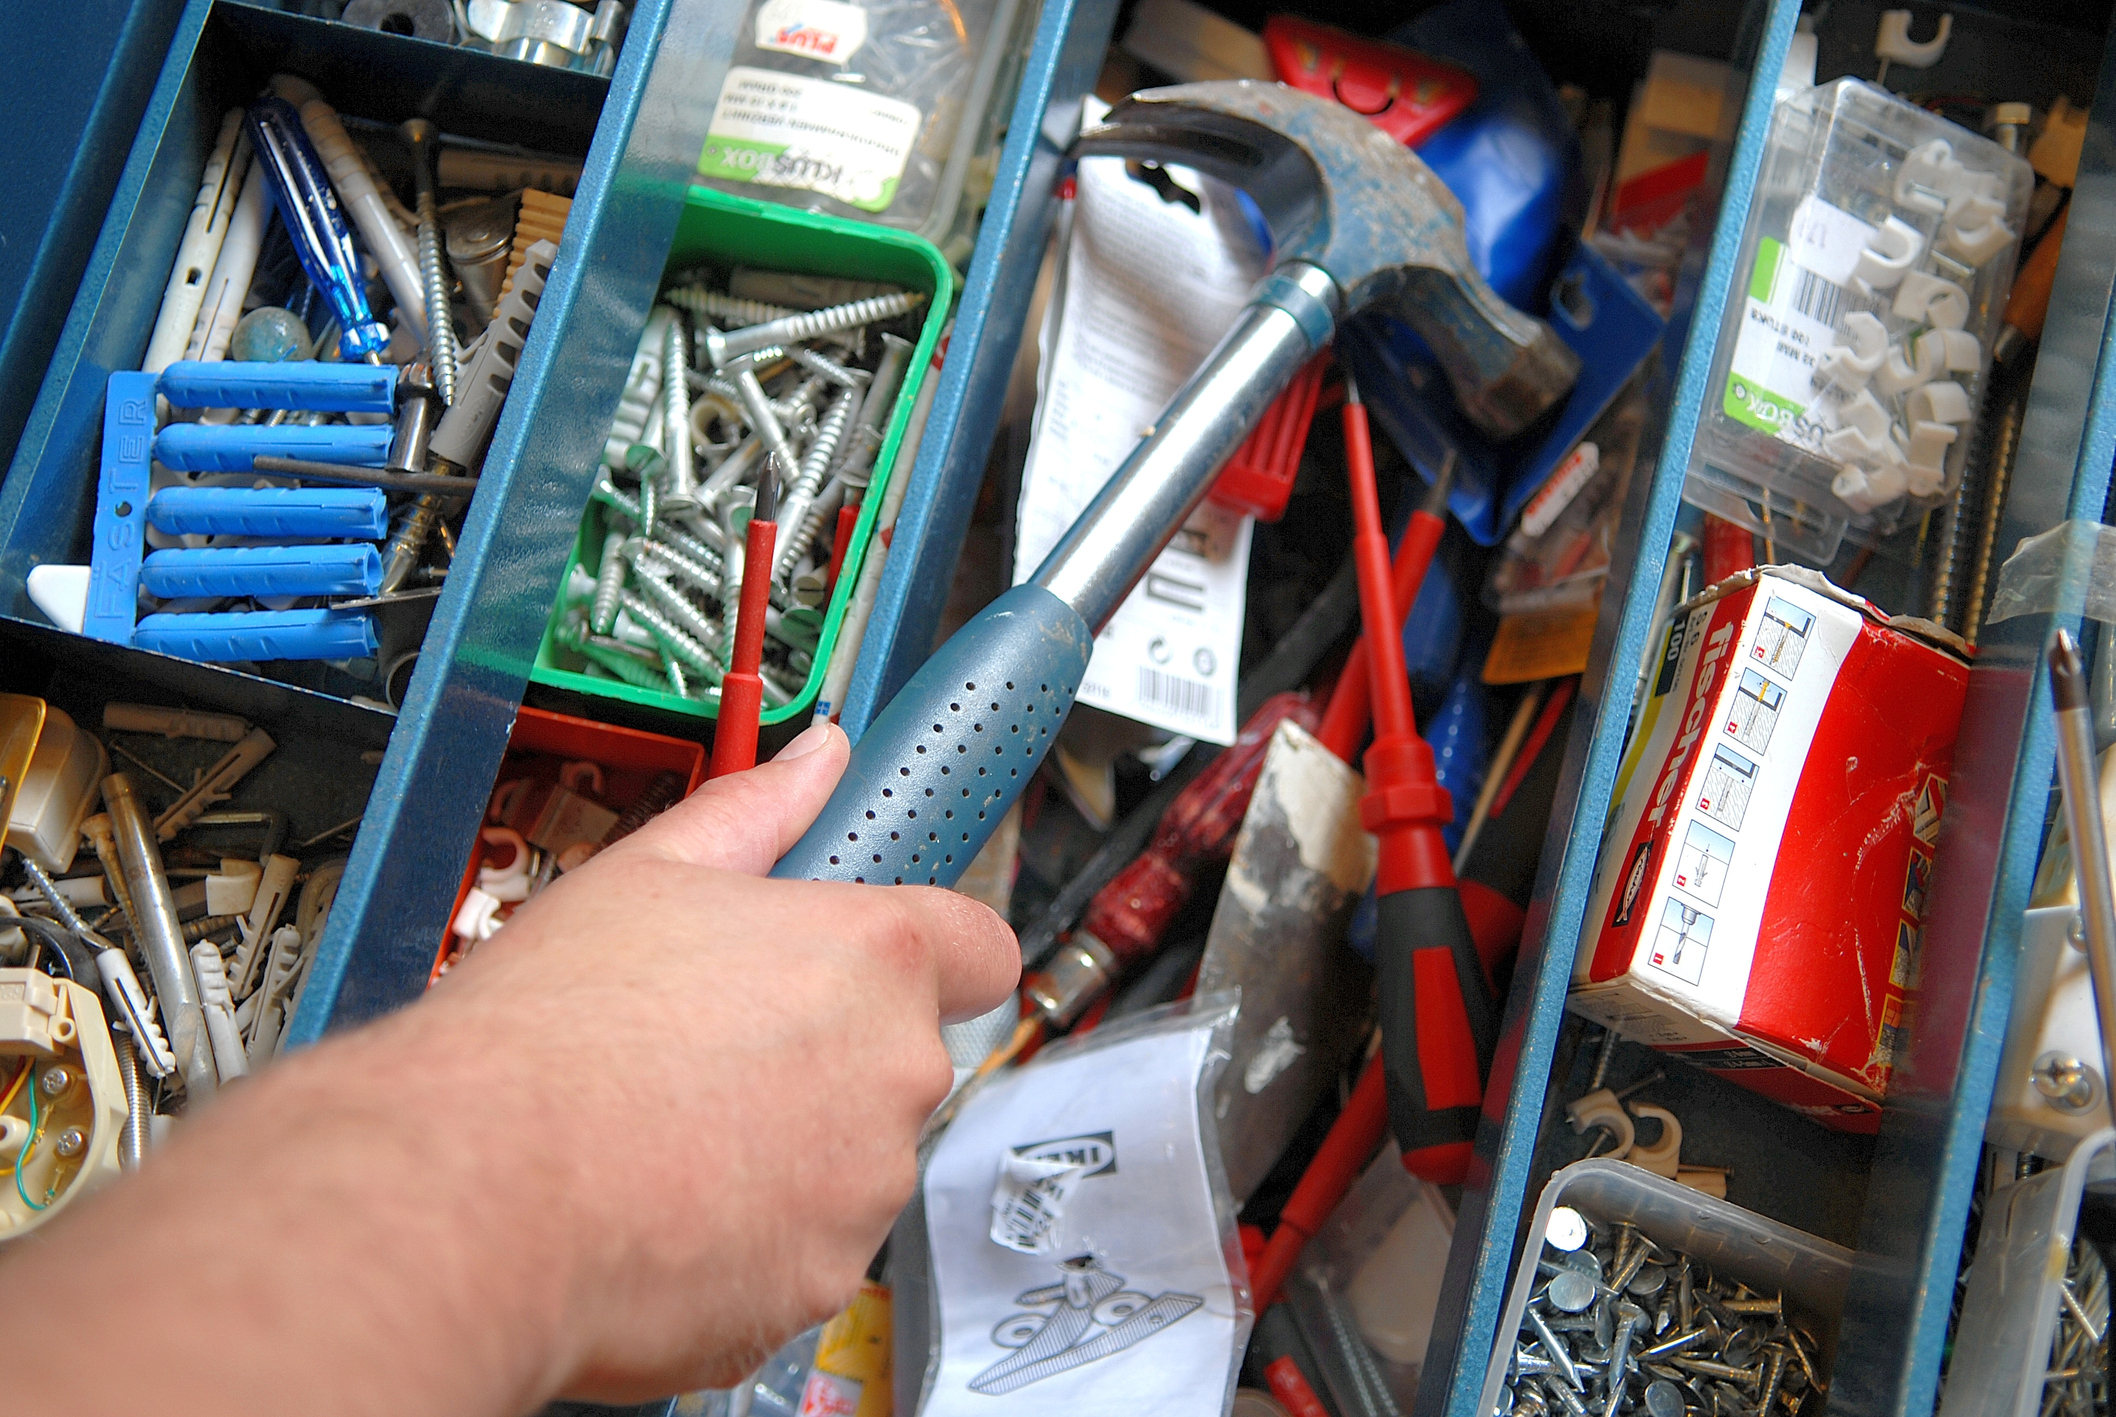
(343,1235)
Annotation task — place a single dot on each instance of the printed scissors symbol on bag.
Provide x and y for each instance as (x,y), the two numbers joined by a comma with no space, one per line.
(1095,1317)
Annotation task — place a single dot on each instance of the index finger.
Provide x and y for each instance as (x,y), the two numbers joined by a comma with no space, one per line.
(976,959)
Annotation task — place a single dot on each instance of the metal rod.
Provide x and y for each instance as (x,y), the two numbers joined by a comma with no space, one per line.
(437,483)
(2090,849)
(161,936)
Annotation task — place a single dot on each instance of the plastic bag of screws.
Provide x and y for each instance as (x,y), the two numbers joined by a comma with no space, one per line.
(802,392)
(1640,1295)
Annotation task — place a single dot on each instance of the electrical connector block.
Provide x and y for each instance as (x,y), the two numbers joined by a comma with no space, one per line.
(59,1128)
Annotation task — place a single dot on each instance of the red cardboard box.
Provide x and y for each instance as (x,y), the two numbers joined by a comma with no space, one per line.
(1761,888)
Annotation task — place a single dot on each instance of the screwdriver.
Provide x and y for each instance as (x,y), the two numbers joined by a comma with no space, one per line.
(308,208)
(1437,1025)
(742,688)
(1125,921)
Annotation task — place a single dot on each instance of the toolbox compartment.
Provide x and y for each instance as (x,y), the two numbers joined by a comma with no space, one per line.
(1899,1202)
(721,230)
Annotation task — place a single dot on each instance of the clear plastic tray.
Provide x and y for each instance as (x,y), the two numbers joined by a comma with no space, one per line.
(1872,280)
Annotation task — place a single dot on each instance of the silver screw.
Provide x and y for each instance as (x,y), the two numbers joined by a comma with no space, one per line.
(679,643)
(2065,1082)
(609,584)
(829,370)
(729,309)
(55,1082)
(671,603)
(676,415)
(433,264)
(793,511)
(793,329)
(71,1142)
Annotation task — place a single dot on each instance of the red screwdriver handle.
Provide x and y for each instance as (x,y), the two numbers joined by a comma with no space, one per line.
(742,688)
(1437,1018)
(1132,912)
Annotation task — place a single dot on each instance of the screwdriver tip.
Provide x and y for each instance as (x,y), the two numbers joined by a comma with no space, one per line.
(2068,680)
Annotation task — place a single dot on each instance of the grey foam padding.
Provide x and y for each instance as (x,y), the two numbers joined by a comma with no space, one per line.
(936,771)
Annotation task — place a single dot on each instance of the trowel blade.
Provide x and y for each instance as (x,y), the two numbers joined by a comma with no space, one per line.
(1300,863)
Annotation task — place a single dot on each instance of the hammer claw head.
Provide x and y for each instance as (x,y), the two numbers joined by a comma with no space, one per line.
(1341,194)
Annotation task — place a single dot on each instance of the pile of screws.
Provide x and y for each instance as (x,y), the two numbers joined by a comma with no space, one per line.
(782,410)
(2076,1383)
(1617,1323)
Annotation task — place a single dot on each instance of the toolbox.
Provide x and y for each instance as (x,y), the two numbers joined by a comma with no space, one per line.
(1897,1204)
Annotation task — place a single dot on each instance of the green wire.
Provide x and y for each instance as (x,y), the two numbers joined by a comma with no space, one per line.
(30,1145)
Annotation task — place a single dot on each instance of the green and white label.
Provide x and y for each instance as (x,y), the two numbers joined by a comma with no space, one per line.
(1796,298)
(781,130)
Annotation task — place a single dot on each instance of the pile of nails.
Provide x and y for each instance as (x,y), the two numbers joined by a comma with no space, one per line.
(1617,1323)
(723,388)
(2076,1382)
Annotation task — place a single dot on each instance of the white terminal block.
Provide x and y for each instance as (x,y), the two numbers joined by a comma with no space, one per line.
(1932,300)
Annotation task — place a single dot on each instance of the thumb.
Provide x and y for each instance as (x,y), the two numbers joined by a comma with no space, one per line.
(747,820)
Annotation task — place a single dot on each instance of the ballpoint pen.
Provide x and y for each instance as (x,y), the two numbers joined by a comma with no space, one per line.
(301,190)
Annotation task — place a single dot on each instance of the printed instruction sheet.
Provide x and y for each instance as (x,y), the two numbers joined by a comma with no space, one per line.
(1149,287)
(1076,1251)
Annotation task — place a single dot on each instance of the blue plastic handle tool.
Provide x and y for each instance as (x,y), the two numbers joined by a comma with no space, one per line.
(344,513)
(300,383)
(229,447)
(301,190)
(939,767)
(263,570)
(259,634)
(121,508)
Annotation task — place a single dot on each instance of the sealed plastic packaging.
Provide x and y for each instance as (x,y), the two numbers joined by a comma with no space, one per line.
(867,110)
(1081,1234)
(1872,279)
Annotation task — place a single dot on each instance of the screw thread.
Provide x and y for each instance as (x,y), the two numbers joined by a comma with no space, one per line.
(676,412)
(609,584)
(680,643)
(733,309)
(433,277)
(672,603)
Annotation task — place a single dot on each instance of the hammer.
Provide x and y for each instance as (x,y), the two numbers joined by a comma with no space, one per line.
(1359,220)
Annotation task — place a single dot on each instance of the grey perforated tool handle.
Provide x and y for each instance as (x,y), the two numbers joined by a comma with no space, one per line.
(936,771)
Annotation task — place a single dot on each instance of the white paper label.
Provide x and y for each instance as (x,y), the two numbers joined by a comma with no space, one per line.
(781,130)
(1797,297)
(1149,288)
(829,30)
(1028,1202)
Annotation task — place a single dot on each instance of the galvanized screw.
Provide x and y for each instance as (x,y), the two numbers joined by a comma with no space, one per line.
(71,1142)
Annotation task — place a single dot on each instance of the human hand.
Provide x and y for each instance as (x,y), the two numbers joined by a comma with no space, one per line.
(742,1119)
(657,1125)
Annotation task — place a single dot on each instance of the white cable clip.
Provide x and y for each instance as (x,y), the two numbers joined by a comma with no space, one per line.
(1960,351)
(1975,227)
(1894,249)
(1601,1109)
(1942,402)
(1893,44)
(509,882)
(1925,181)
(1930,300)
(1861,346)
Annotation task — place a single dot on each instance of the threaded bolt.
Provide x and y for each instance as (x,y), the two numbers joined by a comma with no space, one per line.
(793,329)
(672,603)
(829,370)
(433,265)
(704,578)
(794,511)
(728,309)
(676,415)
(609,583)
(822,511)
(677,642)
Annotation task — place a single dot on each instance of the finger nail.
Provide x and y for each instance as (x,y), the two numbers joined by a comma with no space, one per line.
(810,739)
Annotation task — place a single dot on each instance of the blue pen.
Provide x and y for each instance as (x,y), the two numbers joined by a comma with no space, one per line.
(301,190)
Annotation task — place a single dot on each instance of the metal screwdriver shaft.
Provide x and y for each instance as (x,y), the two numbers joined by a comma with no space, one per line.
(2090,850)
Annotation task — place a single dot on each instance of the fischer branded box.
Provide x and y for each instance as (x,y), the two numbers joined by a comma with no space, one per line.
(1761,889)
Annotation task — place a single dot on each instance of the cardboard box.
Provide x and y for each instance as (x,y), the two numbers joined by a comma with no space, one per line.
(1761,889)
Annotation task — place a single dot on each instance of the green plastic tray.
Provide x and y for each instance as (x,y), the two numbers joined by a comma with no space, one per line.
(726,230)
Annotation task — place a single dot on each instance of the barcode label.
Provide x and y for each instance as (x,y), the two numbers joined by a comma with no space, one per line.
(1816,298)
(1178,695)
